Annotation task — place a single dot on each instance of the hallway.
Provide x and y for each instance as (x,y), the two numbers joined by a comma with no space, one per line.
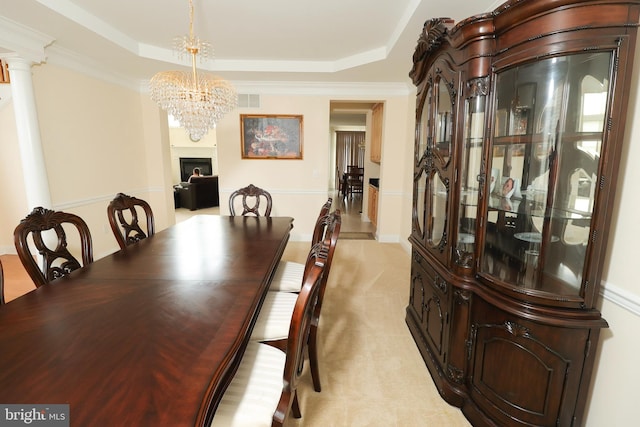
(351,215)
(350,209)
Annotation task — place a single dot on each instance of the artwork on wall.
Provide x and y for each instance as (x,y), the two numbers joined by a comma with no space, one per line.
(271,136)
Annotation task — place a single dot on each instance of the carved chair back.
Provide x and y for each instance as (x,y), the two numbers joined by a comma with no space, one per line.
(251,197)
(123,218)
(56,259)
(321,222)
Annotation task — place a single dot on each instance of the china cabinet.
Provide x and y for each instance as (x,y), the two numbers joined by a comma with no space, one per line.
(520,117)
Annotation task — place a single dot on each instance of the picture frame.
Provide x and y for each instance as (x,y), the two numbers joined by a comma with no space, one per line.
(271,136)
(519,123)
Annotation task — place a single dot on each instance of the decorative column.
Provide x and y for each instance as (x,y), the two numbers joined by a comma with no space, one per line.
(24,47)
(33,164)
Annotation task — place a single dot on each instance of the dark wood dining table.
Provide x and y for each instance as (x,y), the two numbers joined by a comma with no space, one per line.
(148,336)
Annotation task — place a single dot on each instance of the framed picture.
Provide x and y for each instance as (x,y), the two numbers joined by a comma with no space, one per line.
(271,136)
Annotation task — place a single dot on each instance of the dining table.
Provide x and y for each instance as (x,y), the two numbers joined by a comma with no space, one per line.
(150,335)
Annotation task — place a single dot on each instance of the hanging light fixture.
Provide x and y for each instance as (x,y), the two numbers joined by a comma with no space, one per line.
(196,100)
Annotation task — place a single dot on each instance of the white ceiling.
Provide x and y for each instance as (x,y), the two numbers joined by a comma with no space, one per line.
(254,40)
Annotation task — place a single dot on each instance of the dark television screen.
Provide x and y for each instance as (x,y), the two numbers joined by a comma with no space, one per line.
(188,163)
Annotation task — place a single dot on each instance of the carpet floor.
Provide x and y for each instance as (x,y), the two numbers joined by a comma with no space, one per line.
(370,369)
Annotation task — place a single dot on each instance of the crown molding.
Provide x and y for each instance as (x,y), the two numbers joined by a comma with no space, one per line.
(359,89)
(19,40)
(73,61)
(69,59)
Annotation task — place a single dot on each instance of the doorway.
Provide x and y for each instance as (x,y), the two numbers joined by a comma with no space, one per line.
(352,117)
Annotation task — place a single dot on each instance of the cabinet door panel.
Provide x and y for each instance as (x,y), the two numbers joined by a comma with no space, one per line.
(434,294)
(416,296)
(517,375)
(524,371)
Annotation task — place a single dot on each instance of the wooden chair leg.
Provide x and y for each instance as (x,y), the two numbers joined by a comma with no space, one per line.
(295,407)
(279,344)
(313,358)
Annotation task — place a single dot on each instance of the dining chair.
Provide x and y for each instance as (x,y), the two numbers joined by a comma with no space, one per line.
(272,323)
(289,274)
(252,194)
(264,388)
(1,285)
(57,261)
(331,240)
(355,181)
(123,218)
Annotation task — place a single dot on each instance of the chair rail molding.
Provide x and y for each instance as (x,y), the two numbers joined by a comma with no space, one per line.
(621,297)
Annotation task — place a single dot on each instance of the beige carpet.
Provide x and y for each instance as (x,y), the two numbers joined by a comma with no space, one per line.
(371,371)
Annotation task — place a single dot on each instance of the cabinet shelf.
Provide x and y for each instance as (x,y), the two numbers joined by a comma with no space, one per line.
(546,287)
(535,208)
(539,138)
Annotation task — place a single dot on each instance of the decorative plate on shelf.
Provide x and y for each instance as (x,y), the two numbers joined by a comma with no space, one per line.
(533,237)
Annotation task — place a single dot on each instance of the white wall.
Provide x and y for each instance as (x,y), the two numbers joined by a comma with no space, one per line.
(182,146)
(12,190)
(613,398)
(98,139)
(300,187)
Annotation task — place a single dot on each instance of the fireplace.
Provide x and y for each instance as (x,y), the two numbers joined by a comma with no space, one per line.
(188,163)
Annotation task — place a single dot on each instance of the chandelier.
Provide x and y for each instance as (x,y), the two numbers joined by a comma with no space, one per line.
(196,100)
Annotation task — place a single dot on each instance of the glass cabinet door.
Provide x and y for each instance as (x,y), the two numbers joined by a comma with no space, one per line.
(549,123)
(439,152)
(423,127)
(443,123)
(420,192)
(438,209)
(470,164)
(432,169)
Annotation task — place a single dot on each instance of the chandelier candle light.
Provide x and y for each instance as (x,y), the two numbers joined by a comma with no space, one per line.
(196,100)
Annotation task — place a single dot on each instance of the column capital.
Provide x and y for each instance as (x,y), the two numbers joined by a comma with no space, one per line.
(25,42)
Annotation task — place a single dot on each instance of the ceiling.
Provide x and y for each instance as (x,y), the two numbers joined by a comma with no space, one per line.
(328,41)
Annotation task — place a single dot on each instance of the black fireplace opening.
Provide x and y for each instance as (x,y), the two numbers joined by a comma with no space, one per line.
(187,164)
